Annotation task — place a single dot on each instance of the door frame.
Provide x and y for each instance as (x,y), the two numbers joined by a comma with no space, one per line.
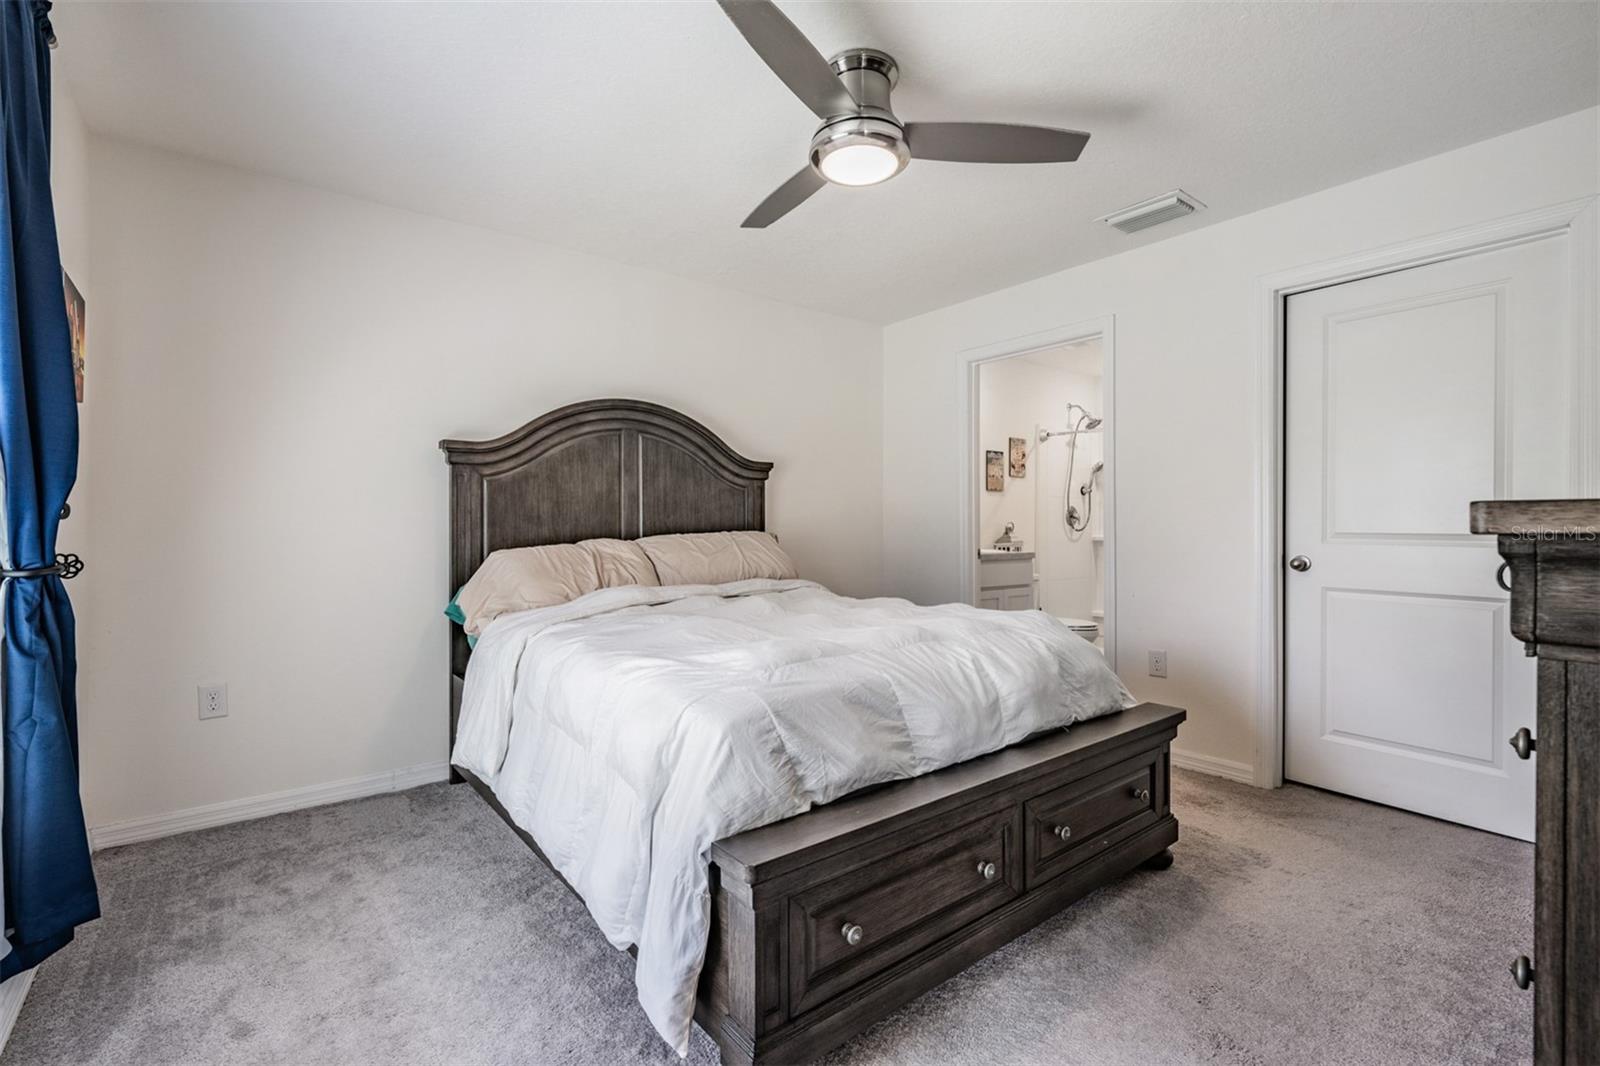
(1577,219)
(967,362)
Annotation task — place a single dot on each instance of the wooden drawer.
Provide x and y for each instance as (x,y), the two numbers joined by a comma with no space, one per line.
(931,883)
(1080,819)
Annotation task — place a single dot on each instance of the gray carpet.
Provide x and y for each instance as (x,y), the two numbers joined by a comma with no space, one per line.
(1296,927)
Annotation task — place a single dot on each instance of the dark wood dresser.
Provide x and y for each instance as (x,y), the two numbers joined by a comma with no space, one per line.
(1552,566)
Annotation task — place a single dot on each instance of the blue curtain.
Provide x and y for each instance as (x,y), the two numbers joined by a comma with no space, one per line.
(48,881)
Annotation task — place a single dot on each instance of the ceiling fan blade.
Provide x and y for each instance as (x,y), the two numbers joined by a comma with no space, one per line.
(792,58)
(992,142)
(788,196)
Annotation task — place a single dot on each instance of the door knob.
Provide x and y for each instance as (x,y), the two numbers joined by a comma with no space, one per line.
(1522,971)
(1300,563)
(1522,741)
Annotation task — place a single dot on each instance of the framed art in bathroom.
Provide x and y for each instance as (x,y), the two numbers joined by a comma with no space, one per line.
(994,471)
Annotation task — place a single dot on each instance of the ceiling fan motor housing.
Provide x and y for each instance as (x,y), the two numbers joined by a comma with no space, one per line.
(869,75)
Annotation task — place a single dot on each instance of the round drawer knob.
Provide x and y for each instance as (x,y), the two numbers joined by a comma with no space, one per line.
(1522,971)
(1141,794)
(1522,741)
(988,870)
(1062,831)
(852,933)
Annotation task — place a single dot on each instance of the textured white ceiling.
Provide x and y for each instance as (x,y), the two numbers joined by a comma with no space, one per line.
(645,132)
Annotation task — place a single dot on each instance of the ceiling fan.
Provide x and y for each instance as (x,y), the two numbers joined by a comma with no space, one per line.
(860,141)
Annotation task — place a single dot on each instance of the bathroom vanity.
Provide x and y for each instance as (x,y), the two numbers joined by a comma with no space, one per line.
(1005,581)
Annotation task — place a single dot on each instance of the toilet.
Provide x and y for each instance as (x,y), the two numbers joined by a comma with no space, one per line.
(1087,629)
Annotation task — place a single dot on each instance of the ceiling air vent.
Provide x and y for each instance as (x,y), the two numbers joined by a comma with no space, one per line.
(1152,212)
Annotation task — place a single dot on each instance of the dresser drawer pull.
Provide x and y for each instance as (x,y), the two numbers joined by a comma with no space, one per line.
(987,870)
(1141,794)
(1522,971)
(1500,576)
(1062,831)
(1522,741)
(852,933)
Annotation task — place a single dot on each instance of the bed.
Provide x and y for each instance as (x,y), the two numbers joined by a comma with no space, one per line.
(792,936)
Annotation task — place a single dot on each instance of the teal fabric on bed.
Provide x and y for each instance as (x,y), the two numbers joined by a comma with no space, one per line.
(454,612)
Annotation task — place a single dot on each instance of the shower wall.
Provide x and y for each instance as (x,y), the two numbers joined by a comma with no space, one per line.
(1016,398)
(1068,564)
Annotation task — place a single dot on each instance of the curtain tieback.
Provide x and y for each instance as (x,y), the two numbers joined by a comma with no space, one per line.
(67,565)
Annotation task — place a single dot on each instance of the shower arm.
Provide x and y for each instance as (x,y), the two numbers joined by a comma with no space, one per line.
(1085,423)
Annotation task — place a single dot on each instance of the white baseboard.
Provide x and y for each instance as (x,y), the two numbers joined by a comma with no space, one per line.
(12,993)
(243,810)
(1209,764)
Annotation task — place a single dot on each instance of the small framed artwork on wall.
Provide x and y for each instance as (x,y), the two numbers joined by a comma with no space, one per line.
(994,471)
(76,320)
(1019,457)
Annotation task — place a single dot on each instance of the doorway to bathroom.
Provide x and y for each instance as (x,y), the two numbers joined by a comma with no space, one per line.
(1040,426)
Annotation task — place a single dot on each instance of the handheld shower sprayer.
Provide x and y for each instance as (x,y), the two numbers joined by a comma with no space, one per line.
(1088,486)
(1070,517)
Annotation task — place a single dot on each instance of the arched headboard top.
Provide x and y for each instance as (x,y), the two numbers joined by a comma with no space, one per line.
(600,468)
(600,416)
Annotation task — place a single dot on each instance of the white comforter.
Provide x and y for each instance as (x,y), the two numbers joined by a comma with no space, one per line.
(631,728)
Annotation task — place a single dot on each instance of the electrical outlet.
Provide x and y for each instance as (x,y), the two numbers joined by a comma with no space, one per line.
(213,701)
(1158,664)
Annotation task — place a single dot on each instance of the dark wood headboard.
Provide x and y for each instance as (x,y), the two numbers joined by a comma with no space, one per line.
(600,468)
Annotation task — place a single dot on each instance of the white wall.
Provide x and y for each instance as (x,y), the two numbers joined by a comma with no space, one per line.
(1187,407)
(273,367)
(69,183)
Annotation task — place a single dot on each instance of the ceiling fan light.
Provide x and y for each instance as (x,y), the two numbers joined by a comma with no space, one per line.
(859,151)
(858,164)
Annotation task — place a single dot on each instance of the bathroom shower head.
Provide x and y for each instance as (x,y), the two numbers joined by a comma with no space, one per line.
(1085,419)
(1084,424)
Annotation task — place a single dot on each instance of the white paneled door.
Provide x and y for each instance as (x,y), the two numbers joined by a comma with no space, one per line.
(1408,396)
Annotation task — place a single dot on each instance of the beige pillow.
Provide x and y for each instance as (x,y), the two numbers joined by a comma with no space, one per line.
(620,562)
(520,579)
(713,558)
